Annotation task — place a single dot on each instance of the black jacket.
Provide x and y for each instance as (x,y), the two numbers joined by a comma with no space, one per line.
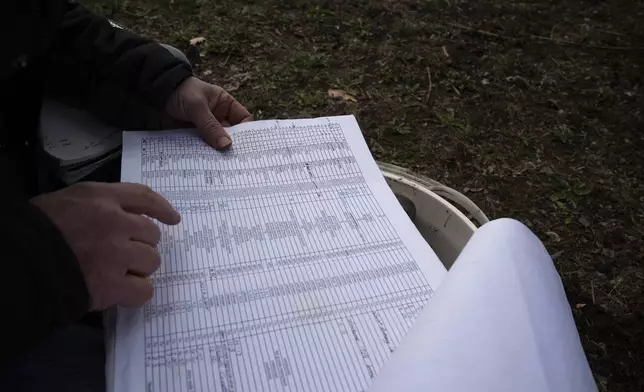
(59,48)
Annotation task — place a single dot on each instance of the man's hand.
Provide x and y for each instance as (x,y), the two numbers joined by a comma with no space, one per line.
(210,108)
(113,242)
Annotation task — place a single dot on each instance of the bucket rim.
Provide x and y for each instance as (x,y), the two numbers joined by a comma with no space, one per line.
(451,196)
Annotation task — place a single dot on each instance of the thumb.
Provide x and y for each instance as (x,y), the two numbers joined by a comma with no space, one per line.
(209,128)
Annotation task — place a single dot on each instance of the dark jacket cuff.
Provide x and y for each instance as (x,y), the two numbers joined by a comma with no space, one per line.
(53,265)
(160,91)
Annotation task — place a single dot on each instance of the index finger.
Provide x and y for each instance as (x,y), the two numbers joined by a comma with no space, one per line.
(238,113)
(142,200)
(227,107)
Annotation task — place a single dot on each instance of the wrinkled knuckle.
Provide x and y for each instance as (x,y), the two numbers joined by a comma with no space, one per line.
(144,189)
(212,123)
(149,192)
(194,99)
(85,188)
(102,209)
(114,220)
(130,255)
(84,185)
(149,293)
(223,99)
(155,259)
(189,100)
(145,193)
(107,208)
(126,221)
(114,241)
(152,231)
(156,233)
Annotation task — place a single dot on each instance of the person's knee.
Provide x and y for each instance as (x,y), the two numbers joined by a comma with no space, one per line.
(177,53)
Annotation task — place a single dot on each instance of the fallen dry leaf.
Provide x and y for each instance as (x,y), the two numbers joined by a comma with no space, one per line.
(557,255)
(554,236)
(473,190)
(341,94)
(197,40)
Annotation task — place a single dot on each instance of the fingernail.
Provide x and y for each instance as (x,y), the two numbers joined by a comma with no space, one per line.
(177,216)
(224,142)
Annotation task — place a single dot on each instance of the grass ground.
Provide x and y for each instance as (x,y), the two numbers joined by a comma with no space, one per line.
(533,109)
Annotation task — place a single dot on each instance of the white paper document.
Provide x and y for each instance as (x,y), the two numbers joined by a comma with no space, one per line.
(294,267)
(500,322)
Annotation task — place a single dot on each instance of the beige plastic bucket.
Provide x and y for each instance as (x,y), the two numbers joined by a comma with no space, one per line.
(445,218)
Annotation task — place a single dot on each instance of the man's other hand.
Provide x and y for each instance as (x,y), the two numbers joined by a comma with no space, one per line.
(210,108)
(107,227)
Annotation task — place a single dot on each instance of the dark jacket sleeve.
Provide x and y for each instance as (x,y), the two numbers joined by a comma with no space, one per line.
(118,75)
(43,287)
